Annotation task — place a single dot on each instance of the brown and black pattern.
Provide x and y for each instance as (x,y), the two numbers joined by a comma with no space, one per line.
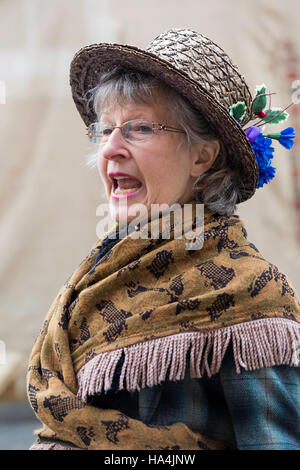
(32,390)
(74,302)
(84,335)
(260,282)
(67,310)
(160,263)
(130,267)
(113,428)
(59,407)
(85,434)
(187,304)
(266,276)
(244,232)
(279,276)
(169,448)
(145,315)
(177,285)
(241,254)
(176,288)
(44,328)
(84,331)
(116,317)
(135,289)
(37,369)
(153,243)
(48,374)
(188,326)
(253,246)
(57,350)
(238,254)
(89,355)
(111,313)
(73,343)
(258,316)
(202,445)
(287,313)
(219,276)
(220,305)
(221,232)
(114,331)
(163,427)
(104,251)
(65,318)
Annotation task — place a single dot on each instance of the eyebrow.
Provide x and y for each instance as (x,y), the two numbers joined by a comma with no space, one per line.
(133,117)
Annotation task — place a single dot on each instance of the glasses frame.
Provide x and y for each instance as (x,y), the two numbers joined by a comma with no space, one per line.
(155,127)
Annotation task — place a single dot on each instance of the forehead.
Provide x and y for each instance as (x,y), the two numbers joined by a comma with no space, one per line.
(127,110)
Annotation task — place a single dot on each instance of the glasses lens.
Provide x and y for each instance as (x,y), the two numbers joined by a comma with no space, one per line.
(138,130)
(94,132)
(105,131)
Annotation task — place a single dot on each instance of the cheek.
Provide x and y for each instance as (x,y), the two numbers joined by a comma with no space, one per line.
(101,166)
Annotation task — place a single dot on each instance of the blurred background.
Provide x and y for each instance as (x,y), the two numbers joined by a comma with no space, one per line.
(49,197)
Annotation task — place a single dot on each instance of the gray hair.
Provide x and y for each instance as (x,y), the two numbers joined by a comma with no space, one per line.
(218,187)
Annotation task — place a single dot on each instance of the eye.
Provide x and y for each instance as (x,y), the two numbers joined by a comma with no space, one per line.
(106,130)
(145,129)
(142,127)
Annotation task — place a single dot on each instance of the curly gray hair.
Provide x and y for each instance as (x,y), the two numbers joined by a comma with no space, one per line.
(218,187)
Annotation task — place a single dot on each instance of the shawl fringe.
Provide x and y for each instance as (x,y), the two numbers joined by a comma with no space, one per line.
(256,344)
(52,446)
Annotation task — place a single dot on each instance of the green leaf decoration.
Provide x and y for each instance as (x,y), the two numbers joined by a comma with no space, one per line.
(259,89)
(238,110)
(259,102)
(278,112)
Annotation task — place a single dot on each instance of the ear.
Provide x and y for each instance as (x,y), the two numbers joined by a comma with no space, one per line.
(203,156)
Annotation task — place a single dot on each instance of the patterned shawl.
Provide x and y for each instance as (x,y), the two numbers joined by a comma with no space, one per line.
(157,302)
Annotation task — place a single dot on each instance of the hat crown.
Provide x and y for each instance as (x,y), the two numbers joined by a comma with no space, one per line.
(204,62)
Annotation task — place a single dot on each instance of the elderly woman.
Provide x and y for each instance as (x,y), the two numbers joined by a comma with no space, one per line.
(153,342)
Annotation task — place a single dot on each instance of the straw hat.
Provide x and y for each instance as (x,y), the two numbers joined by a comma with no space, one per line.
(193,65)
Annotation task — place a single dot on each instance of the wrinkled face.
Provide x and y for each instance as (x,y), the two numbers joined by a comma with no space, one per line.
(161,165)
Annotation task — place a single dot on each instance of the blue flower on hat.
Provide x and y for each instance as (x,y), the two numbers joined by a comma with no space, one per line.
(264,154)
(252,133)
(266,174)
(284,137)
(261,143)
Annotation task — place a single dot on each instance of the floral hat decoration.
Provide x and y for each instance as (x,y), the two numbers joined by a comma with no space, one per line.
(261,143)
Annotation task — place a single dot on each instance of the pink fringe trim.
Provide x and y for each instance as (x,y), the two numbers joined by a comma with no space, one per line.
(256,344)
(52,446)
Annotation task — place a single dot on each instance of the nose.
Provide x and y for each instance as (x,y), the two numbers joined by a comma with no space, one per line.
(115,148)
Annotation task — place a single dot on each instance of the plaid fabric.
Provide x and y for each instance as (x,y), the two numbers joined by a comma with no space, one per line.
(252,410)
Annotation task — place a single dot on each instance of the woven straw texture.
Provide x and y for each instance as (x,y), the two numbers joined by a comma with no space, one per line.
(197,68)
(206,63)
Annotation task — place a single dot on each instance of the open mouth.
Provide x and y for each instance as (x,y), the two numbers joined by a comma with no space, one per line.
(125,186)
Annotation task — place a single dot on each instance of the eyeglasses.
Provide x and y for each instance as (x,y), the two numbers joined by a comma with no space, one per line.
(137,130)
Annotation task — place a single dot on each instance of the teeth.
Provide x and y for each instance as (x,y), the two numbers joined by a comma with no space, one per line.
(123,191)
(123,177)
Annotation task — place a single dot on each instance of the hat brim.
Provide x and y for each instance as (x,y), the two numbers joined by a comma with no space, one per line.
(90,62)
